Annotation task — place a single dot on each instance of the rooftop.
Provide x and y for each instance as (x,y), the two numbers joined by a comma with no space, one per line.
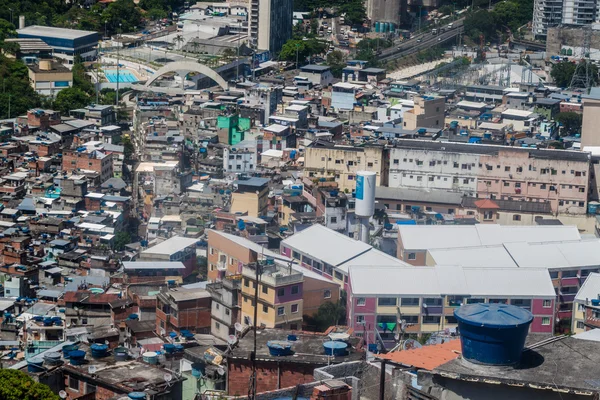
(427,357)
(170,246)
(62,33)
(451,280)
(308,348)
(421,195)
(590,288)
(318,241)
(315,68)
(425,237)
(132,265)
(575,360)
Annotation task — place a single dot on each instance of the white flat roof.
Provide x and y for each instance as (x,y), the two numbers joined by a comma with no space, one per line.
(152,265)
(517,113)
(490,256)
(470,104)
(48,31)
(424,237)
(149,166)
(171,246)
(450,280)
(326,245)
(273,153)
(373,257)
(277,128)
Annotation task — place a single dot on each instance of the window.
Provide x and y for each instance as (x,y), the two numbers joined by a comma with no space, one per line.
(360,319)
(265,309)
(280,311)
(217,306)
(246,282)
(409,301)
(569,274)
(387,301)
(411,319)
(227,312)
(488,215)
(433,301)
(547,304)
(307,260)
(431,179)
(516,217)
(385,319)
(295,289)
(475,301)
(327,294)
(73,383)
(546,321)
(338,275)
(369,164)
(419,162)
(361,301)
(580,325)
(294,308)
(497,301)
(281,292)
(455,165)
(506,184)
(507,169)
(412,256)
(333,220)
(451,320)
(431,319)
(396,161)
(419,178)
(553,274)
(265,289)
(89,388)
(317,265)
(217,325)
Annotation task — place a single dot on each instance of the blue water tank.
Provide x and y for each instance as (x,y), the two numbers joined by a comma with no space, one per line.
(492,333)
(334,348)
(99,350)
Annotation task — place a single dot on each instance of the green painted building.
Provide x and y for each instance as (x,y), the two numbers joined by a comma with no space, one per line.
(232,128)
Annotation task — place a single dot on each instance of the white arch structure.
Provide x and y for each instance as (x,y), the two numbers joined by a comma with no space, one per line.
(186,67)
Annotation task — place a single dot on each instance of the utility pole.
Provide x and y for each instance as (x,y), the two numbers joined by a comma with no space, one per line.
(382,380)
(252,388)
(97,75)
(118,60)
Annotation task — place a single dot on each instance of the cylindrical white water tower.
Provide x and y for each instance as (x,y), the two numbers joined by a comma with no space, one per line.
(365,201)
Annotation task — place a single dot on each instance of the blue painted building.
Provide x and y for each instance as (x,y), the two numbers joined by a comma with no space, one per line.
(66,43)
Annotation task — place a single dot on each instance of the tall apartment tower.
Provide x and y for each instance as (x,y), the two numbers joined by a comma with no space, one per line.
(549,13)
(270,24)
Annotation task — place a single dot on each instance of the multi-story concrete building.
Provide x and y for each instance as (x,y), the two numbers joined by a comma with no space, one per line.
(286,292)
(551,13)
(560,249)
(180,309)
(340,163)
(428,112)
(343,95)
(555,176)
(176,248)
(426,297)
(239,159)
(225,311)
(312,246)
(66,43)
(270,24)
(49,77)
(251,196)
(591,119)
(88,160)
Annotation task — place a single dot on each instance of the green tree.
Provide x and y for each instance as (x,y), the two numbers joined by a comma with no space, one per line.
(15,88)
(7,29)
(354,10)
(127,148)
(445,10)
(70,99)
(337,61)
(305,48)
(124,13)
(570,121)
(562,73)
(156,13)
(108,96)
(328,314)
(16,385)
(479,23)
(121,240)
(80,79)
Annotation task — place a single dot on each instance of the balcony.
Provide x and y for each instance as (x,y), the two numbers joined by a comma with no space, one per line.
(274,277)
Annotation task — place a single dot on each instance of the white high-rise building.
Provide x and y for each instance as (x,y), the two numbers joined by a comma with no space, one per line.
(548,13)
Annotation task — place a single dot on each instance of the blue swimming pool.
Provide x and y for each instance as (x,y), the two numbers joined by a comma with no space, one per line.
(124,76)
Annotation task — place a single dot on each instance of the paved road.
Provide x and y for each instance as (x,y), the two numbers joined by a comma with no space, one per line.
(421,42)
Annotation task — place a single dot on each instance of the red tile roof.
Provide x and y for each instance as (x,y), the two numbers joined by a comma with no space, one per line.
(486,204)
(426,357)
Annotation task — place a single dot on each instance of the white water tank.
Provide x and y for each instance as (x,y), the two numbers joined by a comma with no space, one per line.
(21,21)
(365,193)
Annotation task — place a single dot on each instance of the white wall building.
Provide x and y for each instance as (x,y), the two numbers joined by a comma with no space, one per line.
(239,160)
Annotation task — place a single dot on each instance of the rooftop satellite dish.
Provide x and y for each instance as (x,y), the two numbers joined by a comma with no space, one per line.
(411,344)
(92,369)
(62,394)
(221,371)
(168,377)
(231,340)
(238,327)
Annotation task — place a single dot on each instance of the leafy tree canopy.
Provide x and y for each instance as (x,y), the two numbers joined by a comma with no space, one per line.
(570,121)
(562,73)
(337,61)
(70,99)
(305,48)
(16,385)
